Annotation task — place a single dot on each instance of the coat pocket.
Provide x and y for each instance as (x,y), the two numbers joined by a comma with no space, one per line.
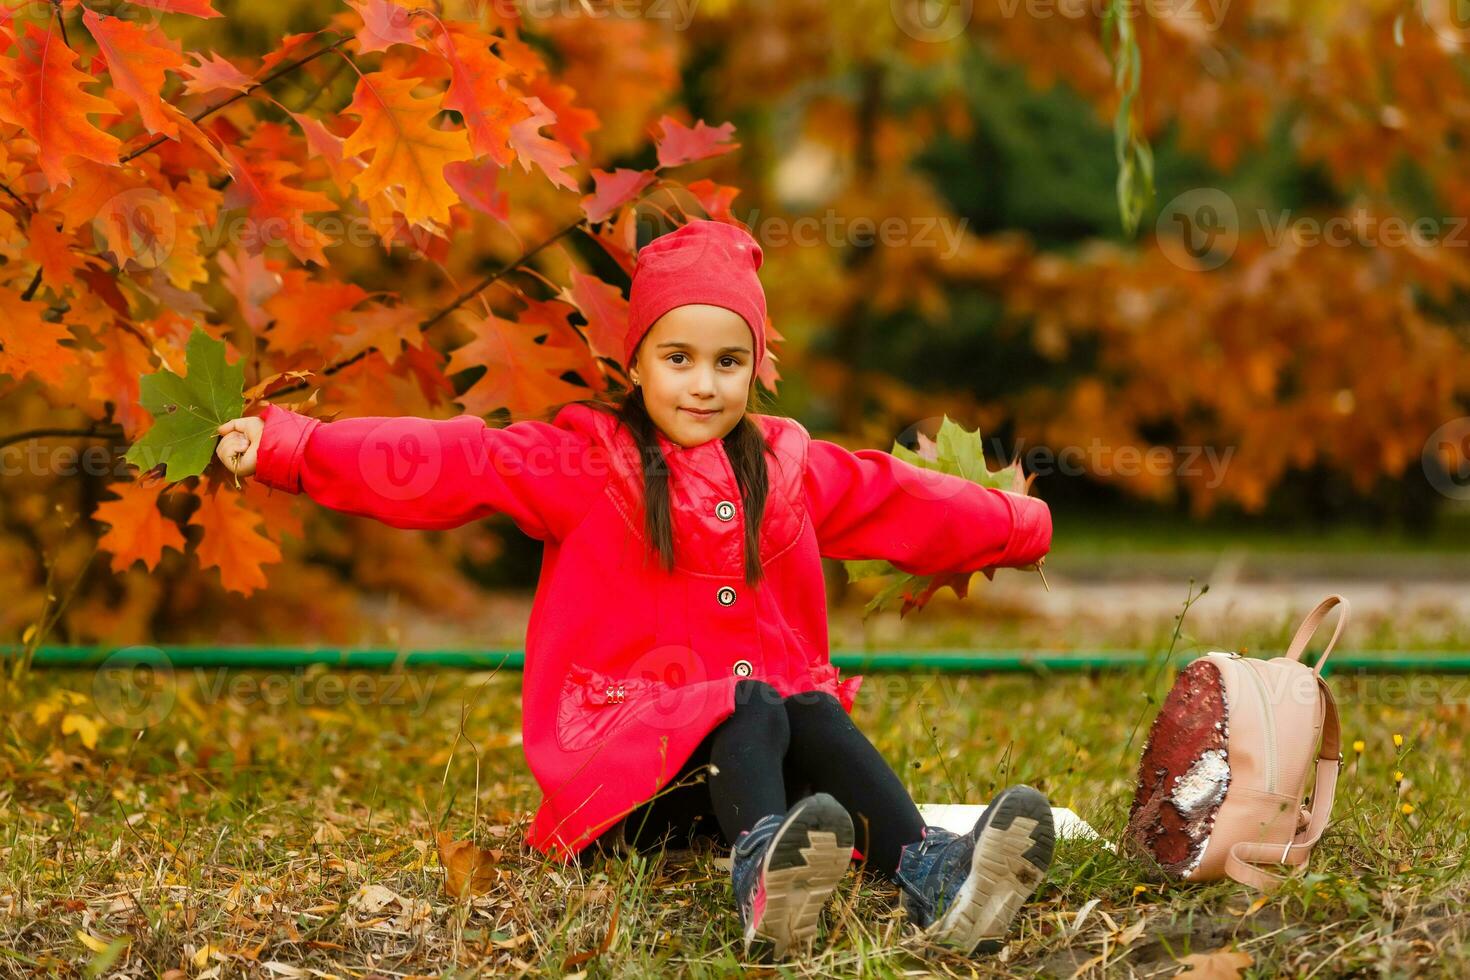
(593,705)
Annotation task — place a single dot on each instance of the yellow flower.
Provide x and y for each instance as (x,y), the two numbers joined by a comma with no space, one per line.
(1359,746)
(1398,740)
(1398,776)
(1407,809)
(1139,889)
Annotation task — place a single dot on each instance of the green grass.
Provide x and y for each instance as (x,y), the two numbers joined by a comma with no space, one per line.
(234,834)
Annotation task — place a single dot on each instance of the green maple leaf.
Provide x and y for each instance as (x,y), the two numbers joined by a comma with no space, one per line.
(186,411)
(958,453)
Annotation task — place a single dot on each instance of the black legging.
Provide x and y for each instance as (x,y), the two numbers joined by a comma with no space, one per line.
(771,751)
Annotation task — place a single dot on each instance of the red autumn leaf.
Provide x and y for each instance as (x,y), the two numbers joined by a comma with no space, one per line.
(532,147)
(477,184)
(49,103)
(679,144)
(231,542)
(138,529)
(613,190)
(137,59)
(573,122)
(714,198)
(605,310)
(520,374)
(476,92)
(277,210)
(213,74)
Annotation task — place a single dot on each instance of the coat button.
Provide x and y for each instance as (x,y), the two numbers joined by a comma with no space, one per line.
(743,668)
(726,595)
(725,510)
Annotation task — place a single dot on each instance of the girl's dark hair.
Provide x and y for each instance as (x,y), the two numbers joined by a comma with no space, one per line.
(745,445)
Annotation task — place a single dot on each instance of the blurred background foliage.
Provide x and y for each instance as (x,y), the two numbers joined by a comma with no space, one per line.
(1321,368)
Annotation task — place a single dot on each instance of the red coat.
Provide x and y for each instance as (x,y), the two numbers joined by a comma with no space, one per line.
(629,667)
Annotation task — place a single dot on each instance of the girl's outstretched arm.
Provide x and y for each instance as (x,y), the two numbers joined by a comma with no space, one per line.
(871,504)
(433,474)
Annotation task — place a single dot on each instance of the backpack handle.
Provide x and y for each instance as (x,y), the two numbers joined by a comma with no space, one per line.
(1309,627)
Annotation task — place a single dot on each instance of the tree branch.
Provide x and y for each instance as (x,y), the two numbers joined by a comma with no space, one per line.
(18,199)
(97,430)
(286,68)
(455,304)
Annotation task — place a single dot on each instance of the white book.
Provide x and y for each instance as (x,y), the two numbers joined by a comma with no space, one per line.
(961,817)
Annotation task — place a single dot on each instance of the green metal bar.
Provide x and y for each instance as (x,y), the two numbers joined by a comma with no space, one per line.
(935,661)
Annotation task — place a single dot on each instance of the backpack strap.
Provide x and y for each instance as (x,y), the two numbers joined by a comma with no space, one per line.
(1309,626)
(1244,860)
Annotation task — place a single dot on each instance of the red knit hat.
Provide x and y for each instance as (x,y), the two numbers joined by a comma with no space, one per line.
(710,262)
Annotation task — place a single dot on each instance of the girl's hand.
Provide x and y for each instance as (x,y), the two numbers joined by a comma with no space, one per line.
(240,443)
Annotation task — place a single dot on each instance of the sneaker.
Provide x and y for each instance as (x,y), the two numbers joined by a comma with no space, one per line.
(964,890)
(785,868)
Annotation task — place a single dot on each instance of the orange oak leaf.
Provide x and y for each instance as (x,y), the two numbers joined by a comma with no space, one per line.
(194,8)
(531,147)
(605,310)
(113,377)
(520,374)
(231,542)
(307,311)
(388,328)
(138,530)
(679,144)
(213,74)
(476,91)
(50,247)
(31,345)
(277,211)
(137,59)
(384,24)
(613,190)
(408,153)
(279,510)
(48,102)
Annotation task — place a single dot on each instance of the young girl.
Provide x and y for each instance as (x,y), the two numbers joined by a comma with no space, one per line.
(680,620)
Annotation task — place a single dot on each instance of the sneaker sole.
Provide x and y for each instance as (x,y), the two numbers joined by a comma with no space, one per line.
(1011,857)
(807,858)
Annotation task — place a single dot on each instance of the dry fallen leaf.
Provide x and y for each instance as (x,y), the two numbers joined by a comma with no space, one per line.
(1222,964)
(467,866)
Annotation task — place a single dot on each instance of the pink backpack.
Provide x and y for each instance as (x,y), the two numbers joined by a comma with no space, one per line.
(1222,775)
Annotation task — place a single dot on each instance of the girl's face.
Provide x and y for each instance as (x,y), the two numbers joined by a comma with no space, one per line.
(695,358)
